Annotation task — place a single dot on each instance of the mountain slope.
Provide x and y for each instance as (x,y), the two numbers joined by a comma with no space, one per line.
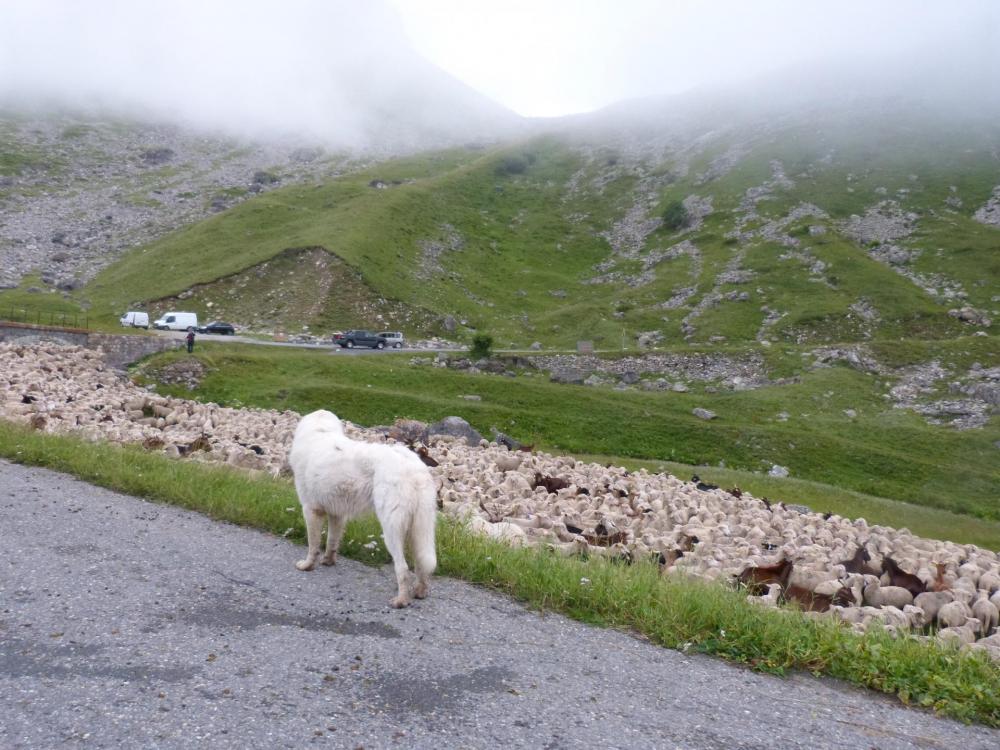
(849,225)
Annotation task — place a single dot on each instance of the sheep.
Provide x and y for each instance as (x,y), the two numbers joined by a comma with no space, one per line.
(990,582)
(993,652)
(931,601)
(899,577)
(756,577)
(965,633)
(860,562)
(880,596)
(916,617)
(954,614)
(850,615)
(986,612)
(770,599)
(895,618)
(509,461)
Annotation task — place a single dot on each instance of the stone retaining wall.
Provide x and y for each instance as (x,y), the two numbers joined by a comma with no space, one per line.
(119,350)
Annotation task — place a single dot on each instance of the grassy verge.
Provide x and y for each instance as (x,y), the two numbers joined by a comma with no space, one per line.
(670,612)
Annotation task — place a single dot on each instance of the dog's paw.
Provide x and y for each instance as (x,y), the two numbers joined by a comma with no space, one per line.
(329,559)
(420,591)
(306,564)
(400,601)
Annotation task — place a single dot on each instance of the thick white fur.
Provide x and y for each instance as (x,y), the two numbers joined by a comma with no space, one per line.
(338,478)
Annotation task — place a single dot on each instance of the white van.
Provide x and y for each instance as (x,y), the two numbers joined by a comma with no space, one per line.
(177,321)
(134,319)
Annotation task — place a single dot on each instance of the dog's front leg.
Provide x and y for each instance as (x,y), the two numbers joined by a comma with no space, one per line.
(334,531)
(314,533)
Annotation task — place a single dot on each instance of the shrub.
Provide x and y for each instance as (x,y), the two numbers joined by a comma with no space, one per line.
(512,165)
(675,216)
(482,346)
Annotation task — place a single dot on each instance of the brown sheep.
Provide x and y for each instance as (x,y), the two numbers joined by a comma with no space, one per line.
(899,577)
(756,578)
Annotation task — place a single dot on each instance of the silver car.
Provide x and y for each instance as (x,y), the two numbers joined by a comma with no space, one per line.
(393,339)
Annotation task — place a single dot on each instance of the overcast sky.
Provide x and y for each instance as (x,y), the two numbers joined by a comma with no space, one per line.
(269,63)
(553,57)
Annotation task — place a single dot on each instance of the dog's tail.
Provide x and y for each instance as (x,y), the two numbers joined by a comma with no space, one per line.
(422,526)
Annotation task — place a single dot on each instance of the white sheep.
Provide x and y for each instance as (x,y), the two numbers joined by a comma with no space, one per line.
(932,601)
(954,614)
(965,633)
(986,612)
(886,596)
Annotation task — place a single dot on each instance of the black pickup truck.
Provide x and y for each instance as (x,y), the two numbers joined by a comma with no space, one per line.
(351,339)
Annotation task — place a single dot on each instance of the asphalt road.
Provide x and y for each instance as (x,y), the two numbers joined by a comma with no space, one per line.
(180,336)
(129,624)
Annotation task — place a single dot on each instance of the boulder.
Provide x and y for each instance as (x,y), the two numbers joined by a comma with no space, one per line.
(409,431)
(456,427)
(703,413)
(262,177)
(572,375)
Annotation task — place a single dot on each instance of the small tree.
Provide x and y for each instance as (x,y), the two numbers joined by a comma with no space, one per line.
(513,165)
(675,216)
(482,346)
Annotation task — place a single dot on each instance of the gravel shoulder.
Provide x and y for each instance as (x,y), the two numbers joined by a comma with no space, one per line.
(125,623)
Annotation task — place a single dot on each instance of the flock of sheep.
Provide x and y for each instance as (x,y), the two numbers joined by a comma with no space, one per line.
(825,564)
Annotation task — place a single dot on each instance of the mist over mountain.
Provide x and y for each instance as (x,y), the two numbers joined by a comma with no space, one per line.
(346,75)
(340,74)
(945,84)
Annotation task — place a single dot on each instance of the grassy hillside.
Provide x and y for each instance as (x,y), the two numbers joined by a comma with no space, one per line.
(847,228)
(449,235)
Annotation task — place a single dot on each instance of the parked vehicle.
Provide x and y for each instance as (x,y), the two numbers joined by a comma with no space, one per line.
(135,319)
(217,326)
(393,338)
(351,339)
(177,321)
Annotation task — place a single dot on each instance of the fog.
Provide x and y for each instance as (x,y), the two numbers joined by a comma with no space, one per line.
(332,70)
(415,72)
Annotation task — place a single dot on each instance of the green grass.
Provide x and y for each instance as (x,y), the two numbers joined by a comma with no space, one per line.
(16,160)
(671,612)
(504,221)
(883,452)
(40,307)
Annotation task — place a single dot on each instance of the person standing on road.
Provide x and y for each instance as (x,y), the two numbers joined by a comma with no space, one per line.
(190,341)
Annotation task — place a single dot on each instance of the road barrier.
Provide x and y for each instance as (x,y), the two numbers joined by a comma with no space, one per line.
(45,317)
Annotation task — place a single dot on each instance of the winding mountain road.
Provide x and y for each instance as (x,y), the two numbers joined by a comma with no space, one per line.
(129,624)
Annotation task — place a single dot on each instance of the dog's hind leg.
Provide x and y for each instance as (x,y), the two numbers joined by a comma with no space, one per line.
(334,531)
(393,535)
(422,546)
(314,533)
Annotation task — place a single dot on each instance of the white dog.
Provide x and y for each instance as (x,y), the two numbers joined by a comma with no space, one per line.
(338,478)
